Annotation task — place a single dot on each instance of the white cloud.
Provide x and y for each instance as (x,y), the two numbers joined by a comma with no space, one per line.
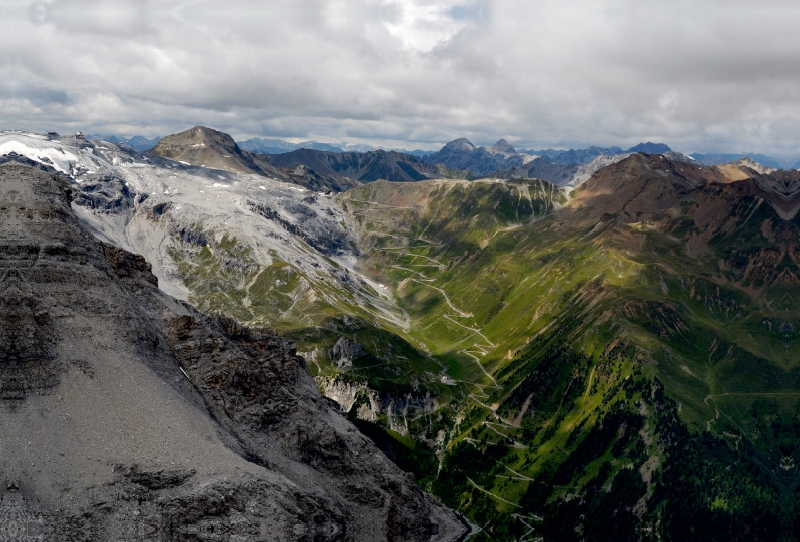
(422,25)
(708,75)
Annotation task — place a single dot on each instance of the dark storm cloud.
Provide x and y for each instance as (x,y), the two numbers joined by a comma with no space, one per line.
(707,75)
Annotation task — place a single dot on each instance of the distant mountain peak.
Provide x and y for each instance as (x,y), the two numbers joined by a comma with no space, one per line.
(204,146)
(650,148)
(503,147)
(749,163)
(460,144)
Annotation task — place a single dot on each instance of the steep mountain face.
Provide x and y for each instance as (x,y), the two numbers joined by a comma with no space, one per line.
(125,411)
(265,252)
(203,146)
(353,168)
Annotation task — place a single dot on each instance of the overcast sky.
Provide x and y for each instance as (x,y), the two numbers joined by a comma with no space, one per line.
(701,76)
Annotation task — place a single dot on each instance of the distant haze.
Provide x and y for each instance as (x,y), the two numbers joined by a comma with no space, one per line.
(712,76)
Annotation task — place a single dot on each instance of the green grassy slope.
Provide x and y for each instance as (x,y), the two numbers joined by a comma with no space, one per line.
(592,338)
(316,314)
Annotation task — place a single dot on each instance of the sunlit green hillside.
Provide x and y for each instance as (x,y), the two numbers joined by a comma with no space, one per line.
(660,299)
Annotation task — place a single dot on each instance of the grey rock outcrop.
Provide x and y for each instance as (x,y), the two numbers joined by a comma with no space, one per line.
(345,352)
(128,415)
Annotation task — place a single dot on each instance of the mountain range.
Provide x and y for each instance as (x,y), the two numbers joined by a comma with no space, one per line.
(583,156)
(338,171)
(561,157)
(279,146)
(314,169)
(716,159)
(205,147)
(362,167)
(612,359)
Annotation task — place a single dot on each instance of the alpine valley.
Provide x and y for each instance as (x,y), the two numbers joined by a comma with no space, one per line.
(603,345)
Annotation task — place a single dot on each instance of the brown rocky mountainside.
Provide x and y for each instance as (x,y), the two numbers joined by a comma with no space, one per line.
(202,146)
(211,148)
(647,184)
(129,415)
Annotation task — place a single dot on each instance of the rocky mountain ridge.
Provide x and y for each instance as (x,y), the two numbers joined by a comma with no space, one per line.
(337,171)
(279,146)
(583,156)
(362,167)
(560,175)
(562,168)
(711,159)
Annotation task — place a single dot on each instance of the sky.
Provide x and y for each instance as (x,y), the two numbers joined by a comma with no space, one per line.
(701,76)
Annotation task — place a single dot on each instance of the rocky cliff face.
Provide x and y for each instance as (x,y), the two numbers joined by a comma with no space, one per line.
(127,414)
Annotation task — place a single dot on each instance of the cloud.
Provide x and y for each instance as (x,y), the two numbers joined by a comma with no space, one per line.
(422,26)
(86,17)
(708,76)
